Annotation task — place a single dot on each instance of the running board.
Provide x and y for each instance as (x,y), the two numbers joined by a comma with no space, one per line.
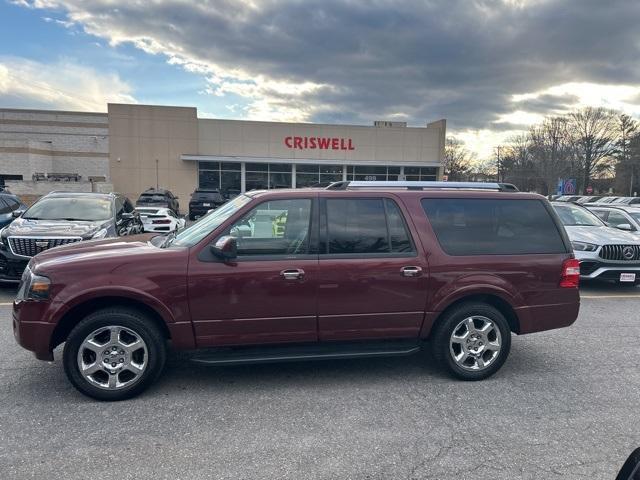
(315,351)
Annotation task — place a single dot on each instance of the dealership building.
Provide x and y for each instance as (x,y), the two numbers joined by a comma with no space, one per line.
(134,147)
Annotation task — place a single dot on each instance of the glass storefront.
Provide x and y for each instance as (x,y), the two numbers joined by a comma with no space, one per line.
(310,175)
(224,176)
(227,176)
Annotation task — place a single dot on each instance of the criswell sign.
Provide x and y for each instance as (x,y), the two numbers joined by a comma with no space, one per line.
(319,143)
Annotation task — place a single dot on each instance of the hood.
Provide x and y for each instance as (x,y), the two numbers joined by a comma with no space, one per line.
(54,228)
(601,235)
(116,249)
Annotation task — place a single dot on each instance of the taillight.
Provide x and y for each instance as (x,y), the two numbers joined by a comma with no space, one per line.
(570,277)
(164,222)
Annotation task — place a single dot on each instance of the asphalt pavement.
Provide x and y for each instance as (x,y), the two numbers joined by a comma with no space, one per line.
(565,405)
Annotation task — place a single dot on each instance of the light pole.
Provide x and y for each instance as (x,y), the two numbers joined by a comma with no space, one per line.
(157,174)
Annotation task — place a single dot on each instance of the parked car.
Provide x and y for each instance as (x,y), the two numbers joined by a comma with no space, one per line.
(159,198)
(360,269)
(61,218)
(203,200)
(604,252)
(568,198)
(606,200)
(588,199)
(627,201)
(160,220)
(10,208)
(622,217)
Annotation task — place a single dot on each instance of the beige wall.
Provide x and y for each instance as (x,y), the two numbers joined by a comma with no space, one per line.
(389,145)
(139,135)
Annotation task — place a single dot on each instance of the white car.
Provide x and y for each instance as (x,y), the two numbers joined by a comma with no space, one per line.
(160,220)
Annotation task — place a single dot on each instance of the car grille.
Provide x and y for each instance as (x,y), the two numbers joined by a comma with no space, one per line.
(623,253)
(30,246)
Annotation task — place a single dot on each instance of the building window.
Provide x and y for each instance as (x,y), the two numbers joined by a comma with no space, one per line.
(372,174)
(263,176)
(310,175)
(421,173)
(224,176)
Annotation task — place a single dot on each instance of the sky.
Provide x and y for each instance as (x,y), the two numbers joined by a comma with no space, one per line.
(490,67)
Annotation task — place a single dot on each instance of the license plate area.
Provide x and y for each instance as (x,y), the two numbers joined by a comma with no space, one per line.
(206,204)
(627,277)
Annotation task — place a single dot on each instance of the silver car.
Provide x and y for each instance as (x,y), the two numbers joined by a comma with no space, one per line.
(604,252)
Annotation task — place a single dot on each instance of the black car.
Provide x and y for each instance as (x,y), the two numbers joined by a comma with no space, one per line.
(10,207)
(159,198)
(60,218)
(203,200)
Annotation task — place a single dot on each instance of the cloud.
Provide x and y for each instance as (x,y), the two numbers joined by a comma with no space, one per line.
(356,61)
(62,85)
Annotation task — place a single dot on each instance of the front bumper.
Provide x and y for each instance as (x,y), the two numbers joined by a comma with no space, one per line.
(593,267)
(11,266)
(30,331)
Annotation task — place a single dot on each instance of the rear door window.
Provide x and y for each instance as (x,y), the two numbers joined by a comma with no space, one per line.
(493,227)
(365,226)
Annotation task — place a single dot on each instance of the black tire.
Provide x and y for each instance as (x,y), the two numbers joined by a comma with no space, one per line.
(131,319)
(444,329)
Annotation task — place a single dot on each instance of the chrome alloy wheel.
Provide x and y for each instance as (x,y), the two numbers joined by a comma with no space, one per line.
(113,357)
(475,343)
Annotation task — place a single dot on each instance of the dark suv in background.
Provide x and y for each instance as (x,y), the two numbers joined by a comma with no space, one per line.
(10,207)
(359,269)
(60,218)
(159,198)
(203,200)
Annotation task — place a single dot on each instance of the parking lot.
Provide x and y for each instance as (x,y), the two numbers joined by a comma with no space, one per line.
(564,406)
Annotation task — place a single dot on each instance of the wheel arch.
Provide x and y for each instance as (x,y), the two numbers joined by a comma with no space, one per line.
(79,311)
(499,303)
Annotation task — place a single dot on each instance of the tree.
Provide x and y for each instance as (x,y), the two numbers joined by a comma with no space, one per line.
(457,159)
(626,153)
(594,133)
(516,163)
(552,151)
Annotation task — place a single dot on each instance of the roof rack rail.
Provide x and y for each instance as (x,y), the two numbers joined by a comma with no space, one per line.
(500,187)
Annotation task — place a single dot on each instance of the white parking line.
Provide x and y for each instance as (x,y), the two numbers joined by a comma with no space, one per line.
(609,296)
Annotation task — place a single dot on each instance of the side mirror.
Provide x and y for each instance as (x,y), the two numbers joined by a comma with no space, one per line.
(624,226)
(126,216)
(226,247)
(17,213)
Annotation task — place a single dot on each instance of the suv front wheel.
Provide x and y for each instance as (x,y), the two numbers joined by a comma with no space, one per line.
(472,341)
(114,354)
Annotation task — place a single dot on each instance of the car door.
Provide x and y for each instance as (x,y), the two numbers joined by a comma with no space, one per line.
(268,293)
(617,218)
(373,273)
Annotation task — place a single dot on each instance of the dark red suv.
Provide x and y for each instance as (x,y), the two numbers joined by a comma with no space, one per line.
(354,270)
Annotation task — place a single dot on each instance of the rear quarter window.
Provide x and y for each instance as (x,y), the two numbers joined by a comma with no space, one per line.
(493,227)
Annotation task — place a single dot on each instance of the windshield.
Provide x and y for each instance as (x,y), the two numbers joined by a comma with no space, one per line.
(88,209)
(196,232)
(572,216)
(147,198)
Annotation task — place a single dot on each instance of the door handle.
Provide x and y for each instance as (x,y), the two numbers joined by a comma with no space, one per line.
(293,274)
(411,271)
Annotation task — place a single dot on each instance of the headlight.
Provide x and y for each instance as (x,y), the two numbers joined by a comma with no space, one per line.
(33,287)
(584,247)
(100,233)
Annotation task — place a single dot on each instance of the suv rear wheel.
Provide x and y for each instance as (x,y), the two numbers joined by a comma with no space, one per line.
(472,341)
(114,354)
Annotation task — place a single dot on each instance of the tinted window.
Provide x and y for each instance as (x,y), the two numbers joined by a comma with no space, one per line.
(12,202)
(493,227)
(617,218)
(398,234)
(279,227)
(4,207)
(128,206)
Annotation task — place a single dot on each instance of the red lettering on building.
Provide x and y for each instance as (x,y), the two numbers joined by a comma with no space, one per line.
(321,143)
